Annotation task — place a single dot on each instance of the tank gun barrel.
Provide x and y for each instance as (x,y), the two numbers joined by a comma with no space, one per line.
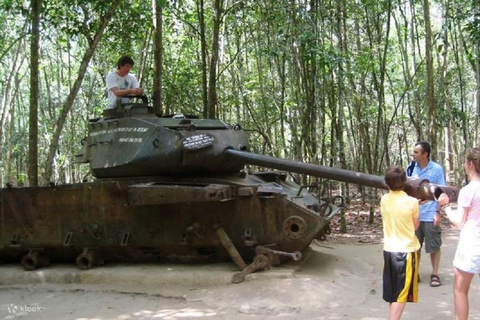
(418,188)
(315,170)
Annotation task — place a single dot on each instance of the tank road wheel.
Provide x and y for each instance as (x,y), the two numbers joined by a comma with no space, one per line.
(88,259)
(34,260)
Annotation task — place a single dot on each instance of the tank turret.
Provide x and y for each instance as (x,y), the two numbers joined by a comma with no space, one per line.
(138,143)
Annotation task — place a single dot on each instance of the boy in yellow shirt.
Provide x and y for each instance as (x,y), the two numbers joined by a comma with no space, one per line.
(400,250)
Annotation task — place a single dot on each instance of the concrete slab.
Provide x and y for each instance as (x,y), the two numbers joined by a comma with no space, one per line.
(146,275)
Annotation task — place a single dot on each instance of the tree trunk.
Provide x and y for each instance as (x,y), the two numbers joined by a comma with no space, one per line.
(430,96)
(445,88)
(7,116)
(203,45)
(459,67)
(414,107)
(34,88)
(74,91)
(11,125)
(158,54)
(212,81)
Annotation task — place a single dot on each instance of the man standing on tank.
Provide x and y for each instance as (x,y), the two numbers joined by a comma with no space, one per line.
(429,231)
(121,82)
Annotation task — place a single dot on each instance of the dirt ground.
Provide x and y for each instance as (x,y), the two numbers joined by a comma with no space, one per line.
(337,279)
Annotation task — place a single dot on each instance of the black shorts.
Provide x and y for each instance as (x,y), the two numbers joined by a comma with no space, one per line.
(400,276)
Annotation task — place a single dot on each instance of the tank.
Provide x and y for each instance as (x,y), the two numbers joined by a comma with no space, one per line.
(174,188)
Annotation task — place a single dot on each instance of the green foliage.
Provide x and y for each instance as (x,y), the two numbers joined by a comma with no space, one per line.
(297,74)
(473,28)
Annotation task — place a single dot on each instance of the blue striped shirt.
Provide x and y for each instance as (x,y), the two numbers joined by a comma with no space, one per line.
(433,172)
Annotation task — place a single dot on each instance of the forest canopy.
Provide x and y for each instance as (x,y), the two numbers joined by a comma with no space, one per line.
(349,84)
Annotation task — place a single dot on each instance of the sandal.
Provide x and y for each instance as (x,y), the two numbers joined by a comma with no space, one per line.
(435,281)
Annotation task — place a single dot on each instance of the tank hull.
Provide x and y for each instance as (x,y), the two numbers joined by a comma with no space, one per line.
(159,219)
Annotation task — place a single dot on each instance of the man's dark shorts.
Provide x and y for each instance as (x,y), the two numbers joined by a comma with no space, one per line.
(431,235)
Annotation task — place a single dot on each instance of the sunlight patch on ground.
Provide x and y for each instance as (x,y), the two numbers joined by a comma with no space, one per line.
(169,314)
(174,313)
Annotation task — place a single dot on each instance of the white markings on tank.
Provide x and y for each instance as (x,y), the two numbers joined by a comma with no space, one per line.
(123,129)
(131,140)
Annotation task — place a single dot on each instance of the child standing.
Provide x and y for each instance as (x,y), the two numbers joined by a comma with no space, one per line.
(400,250)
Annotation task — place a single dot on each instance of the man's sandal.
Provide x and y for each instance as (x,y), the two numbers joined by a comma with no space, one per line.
(435,281)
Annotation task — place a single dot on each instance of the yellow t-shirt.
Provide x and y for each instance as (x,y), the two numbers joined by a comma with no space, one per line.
(398,210)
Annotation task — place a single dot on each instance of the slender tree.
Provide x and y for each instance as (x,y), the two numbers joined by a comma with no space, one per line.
(203,51)
(430,93)
(36,7)
(212,79)
(93,42)
(158,54)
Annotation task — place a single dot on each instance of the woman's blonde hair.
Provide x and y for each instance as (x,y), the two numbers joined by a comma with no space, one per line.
(473,155)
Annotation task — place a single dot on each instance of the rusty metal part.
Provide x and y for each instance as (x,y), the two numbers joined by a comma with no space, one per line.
(230,247)
(260,263)
(322,234)
(338,201)
(194,232)
(88,259)
(264,259)
(424,190)
(65,218)
(294,227)
(249,239)
(324,209)
(156,193)
(35,259)
(296,255)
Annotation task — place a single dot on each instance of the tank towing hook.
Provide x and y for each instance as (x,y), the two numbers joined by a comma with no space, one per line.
(263,260)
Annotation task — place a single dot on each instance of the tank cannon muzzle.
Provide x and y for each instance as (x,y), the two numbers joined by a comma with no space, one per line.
(418,188)
(424,190)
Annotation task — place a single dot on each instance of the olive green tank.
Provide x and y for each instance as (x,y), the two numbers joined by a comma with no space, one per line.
(173,189)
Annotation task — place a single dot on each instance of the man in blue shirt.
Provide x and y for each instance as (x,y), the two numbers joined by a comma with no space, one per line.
(429,230)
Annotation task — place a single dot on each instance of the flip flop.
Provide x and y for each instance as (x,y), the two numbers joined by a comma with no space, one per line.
(435,281)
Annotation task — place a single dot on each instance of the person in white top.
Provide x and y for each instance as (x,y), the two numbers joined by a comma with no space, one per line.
(121,82)
(467,217)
